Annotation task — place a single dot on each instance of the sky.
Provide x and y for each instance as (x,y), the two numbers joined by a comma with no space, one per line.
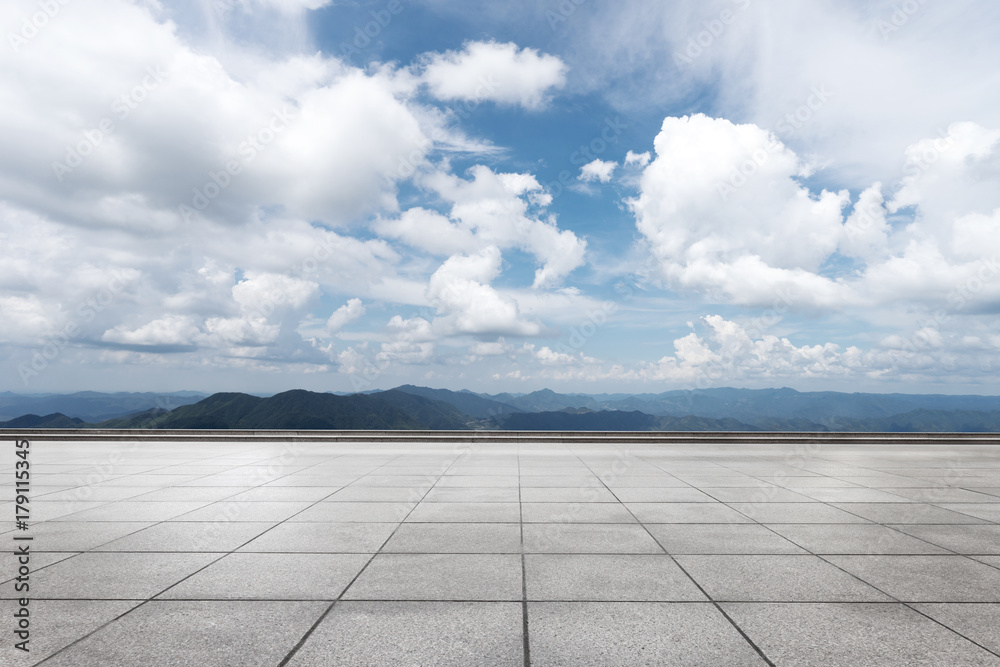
(585,195)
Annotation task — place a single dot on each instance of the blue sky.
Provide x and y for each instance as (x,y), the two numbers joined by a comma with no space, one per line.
(589,196)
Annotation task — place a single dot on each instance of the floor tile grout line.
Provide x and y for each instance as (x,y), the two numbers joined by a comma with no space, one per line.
(302,641)
(708,597)
(525,637)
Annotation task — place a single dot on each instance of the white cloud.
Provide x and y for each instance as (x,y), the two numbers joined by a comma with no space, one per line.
(598,170)
(640,159)
(169,330)
(722,211)
(460,291)
(349,312)
(501,73)
(491,210)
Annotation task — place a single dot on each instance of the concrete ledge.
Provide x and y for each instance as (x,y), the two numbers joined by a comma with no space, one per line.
(359,436)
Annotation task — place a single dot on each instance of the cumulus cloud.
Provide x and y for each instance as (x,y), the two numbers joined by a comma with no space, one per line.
(349,312)
(725,213)
(598,170)
(495,209)
(461,292)
(640,159)
(500,73)
(722,211)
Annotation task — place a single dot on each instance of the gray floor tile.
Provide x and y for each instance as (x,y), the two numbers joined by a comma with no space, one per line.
(285,493)
(926,578)
(582,494)
(309,537)
(772,494)
(945,494)
(439,577)
(720,538)
(776,579)
(82,536)
(889,635)
(686,513)
(384,494)
(978,622)
(267,576)
(112,576)
(56,624)
(416,633)
(588,538)
(455,538)
(915,513)
(466,512)
(853,496)
(821,538)
(171,494)
(576,513)
(661,494)
(334,512)
(192,536)
(471,495)
(635,633)
(129,510)
(208,634)
(796,513)
(590,577)
(976,539)
(258,511)
(989,512)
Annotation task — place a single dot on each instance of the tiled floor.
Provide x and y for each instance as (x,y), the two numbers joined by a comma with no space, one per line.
(206,554)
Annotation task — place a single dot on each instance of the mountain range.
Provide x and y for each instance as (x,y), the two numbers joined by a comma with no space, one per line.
(421,408)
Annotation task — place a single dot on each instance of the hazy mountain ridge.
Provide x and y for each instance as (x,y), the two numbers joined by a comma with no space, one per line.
(409,407)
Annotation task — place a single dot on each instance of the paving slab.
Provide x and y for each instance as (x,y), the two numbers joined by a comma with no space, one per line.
(721,538)
(883,635)
(55,624)
(619,553)
(978,622)
(590,538)
(488,538)
(776,578)
(926,578)
(267,576)
(862,538)
(308,537)
(471,512)
(204,633)
(439,577)
(190,536)
(112,576)
(635,633)
(587,577)
(416,633)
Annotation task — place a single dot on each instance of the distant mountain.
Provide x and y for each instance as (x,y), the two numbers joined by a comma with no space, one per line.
(300,409)
(615,421)
(465,402)
(56,420)
(92,406)
(409,407)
